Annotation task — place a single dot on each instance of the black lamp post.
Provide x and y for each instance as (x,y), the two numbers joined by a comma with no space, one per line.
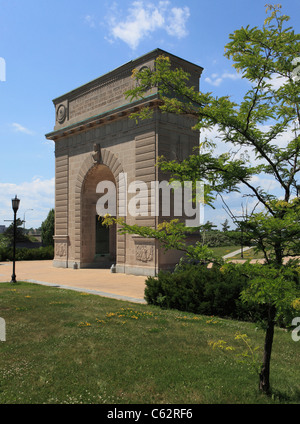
(15,205)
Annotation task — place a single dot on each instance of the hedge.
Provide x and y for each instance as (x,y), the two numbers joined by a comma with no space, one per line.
(202,290)
(23,254)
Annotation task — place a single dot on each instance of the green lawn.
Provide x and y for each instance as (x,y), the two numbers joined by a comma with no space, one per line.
(224,250)
(64,346)
(247,254)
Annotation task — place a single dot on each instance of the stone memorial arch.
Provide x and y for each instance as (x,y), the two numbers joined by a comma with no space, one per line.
(95,140)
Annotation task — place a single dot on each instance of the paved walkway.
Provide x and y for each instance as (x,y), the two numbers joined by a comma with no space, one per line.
(96,281)
(236,252)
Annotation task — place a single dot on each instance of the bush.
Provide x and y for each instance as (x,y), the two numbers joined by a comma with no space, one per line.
(23,254)
(216,238)
(47,229)
(202,290)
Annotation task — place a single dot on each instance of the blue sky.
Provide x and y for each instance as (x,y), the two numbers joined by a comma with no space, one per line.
(52,47)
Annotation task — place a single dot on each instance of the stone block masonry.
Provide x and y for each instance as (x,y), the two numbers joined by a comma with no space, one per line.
(95,140)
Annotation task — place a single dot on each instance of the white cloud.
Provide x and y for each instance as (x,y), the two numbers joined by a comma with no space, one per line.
(264,181)
(90,21)
(2,69)
(216,79)
(268,184)
(277,81)
(177,22)
(49,143)
(37,194)
(144,18)
(19,128)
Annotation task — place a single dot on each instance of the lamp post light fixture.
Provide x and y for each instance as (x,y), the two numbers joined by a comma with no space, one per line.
(15,205)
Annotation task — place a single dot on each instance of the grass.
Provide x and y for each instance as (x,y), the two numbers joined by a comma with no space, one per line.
(64,346)
(224,250)
(251,254)
(247,254)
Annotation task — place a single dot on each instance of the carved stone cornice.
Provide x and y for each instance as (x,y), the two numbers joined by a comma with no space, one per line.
(104,118)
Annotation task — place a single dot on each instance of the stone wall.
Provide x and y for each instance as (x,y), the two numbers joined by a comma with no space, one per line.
(95,139)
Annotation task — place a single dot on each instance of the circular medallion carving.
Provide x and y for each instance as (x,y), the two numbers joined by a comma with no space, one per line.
(61,114)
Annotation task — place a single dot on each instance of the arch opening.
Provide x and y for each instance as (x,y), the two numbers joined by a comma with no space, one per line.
(98,242)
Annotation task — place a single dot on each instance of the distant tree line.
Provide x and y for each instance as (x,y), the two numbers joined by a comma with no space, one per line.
(27,248)
(213,237)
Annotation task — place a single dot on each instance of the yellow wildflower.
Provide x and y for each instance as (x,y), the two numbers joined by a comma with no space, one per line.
(296,304)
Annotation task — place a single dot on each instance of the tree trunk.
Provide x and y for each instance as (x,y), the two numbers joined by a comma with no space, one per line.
(264,376)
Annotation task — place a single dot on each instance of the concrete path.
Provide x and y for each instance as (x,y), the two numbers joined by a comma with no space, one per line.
(96,281)
(237,252)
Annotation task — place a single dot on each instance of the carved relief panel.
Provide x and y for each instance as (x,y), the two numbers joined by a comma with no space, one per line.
(61,250)
(144,253)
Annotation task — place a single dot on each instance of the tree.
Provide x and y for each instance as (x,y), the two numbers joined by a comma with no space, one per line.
(47,229)
(269,109)
(20,236)
(225,226)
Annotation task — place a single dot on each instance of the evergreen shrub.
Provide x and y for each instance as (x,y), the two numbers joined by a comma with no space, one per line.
(202,290)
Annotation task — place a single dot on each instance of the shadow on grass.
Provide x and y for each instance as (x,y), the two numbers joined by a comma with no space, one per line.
(285,397)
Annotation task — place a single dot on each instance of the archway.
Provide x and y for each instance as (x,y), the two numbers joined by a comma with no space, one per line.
(93,132)
(98,241)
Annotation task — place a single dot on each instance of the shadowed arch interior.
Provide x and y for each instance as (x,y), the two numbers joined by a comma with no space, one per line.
(86,198)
